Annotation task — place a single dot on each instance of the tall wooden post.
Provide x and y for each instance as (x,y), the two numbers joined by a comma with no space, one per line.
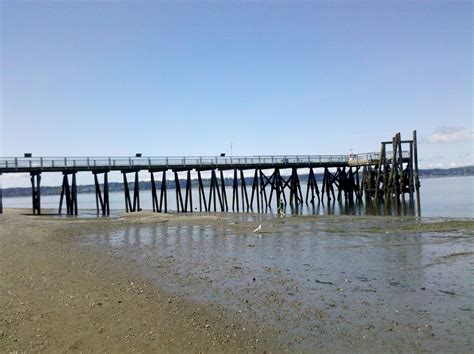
(393,173)
(417,180)
(400,166)
(410,171)
(378,178)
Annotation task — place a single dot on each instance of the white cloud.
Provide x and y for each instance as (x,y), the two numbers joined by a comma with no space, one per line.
(451,134)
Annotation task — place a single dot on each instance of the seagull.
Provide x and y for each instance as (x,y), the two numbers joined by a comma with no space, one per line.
(258,229)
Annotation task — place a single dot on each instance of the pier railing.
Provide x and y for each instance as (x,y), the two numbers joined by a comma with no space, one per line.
(10,164)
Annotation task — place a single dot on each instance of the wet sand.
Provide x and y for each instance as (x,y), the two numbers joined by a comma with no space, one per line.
(148,282)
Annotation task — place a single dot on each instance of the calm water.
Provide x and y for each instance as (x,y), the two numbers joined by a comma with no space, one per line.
(337,283)
(443,197)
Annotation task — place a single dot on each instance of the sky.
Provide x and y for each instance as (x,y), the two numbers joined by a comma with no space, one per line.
(192,78)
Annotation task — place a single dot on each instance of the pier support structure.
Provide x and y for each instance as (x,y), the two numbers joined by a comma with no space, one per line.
(162,205)
(129,207)
(36,192)
(102,197)
(390,176)
(215,193)
(313,186)
(68,192)
(394,176)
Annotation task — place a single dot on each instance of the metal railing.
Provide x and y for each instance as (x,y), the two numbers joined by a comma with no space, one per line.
(84,163)
(373,157)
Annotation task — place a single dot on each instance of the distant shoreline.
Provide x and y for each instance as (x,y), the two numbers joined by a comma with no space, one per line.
(15,192)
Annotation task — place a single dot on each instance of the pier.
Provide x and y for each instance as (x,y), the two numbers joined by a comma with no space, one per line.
(390,174)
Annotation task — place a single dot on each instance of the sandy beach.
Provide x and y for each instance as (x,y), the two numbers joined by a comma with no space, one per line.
(206,283)
(57,297)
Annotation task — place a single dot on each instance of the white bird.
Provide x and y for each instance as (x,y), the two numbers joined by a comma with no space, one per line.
(258,229)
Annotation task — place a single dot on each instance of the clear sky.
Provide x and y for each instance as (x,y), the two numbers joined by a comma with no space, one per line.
(272,77)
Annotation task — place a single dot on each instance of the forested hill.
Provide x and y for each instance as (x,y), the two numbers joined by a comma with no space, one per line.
(146,185)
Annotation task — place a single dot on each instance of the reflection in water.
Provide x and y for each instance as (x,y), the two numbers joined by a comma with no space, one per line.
(451,197)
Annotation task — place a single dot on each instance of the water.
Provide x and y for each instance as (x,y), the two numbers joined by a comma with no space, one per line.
(328,281)
(440,197)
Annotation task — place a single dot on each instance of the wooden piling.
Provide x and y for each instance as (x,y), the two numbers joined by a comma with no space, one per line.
(69,194)
(188,196)
(179,197)
(243,189)
(400,166)
(214,192)
(235,192)
(416,175)
(106,193)
(163,194)
(61,195)
(102,202)
(136,194)
(128,202)
(255,191)
(411,183)
(74,194)
(154,197)
(224,194)
(378,177)
(202,194)
(36,192)
(263,192)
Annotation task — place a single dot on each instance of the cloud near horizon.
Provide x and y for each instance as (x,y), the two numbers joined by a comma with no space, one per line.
(451,134)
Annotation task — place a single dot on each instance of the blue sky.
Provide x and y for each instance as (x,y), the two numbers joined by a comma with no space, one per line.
(188,78)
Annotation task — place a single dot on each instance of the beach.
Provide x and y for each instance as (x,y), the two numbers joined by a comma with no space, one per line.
(207,283)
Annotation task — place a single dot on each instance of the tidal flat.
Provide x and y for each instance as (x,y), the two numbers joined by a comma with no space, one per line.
(207,282)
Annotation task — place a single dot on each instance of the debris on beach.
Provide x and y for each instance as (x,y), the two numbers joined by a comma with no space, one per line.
(258,229)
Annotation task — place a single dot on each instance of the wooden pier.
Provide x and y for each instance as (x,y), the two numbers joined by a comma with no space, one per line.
(388,176)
